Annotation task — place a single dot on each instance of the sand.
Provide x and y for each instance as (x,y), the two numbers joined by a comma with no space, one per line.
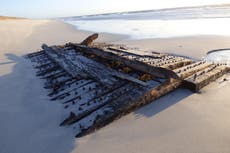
(179,122)
(193,46)
(24,36)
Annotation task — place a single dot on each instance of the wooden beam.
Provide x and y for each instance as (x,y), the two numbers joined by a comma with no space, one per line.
(130,52)
(204,77)
(76,65)
(137,65)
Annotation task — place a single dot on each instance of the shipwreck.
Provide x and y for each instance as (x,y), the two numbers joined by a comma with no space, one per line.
(97,82)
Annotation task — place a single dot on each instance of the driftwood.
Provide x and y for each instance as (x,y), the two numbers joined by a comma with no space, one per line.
(89,40)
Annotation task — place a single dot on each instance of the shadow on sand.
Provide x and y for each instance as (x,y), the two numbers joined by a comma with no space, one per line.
(163,103)
(29,121)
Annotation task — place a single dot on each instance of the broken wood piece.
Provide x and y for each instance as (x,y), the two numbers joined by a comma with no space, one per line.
(89,40)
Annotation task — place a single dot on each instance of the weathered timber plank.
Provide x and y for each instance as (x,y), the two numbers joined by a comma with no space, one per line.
(171,62)
(140,66)
(177,64)
(205,77)
(158,61)
(63,62)
(129,51)
(188,70)
(97,70)
(93,69)
(166,60)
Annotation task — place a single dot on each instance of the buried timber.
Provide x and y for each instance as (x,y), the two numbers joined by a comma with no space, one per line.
(98,83)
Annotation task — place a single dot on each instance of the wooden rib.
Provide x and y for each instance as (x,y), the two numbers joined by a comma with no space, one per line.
(62,85)
(74,89)
(35,54)
(126,104)
(113,95)
(53,75)
(47,71)
(177,64)
(188,70)
(44,65)
(87,94)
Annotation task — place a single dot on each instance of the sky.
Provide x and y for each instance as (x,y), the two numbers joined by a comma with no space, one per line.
(63,8)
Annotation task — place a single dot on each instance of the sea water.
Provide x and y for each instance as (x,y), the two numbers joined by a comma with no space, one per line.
(219,56)
(164,23)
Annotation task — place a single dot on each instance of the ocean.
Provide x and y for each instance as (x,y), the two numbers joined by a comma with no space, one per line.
(163,23)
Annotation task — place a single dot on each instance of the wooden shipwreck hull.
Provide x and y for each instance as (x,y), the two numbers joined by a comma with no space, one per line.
(103,82)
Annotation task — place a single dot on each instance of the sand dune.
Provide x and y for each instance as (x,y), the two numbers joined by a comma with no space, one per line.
(179,122)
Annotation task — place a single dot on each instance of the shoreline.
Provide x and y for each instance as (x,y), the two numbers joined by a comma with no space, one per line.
(194,46)
(60,32)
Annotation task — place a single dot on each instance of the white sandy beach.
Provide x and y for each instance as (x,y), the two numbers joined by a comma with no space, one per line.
(179,122)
